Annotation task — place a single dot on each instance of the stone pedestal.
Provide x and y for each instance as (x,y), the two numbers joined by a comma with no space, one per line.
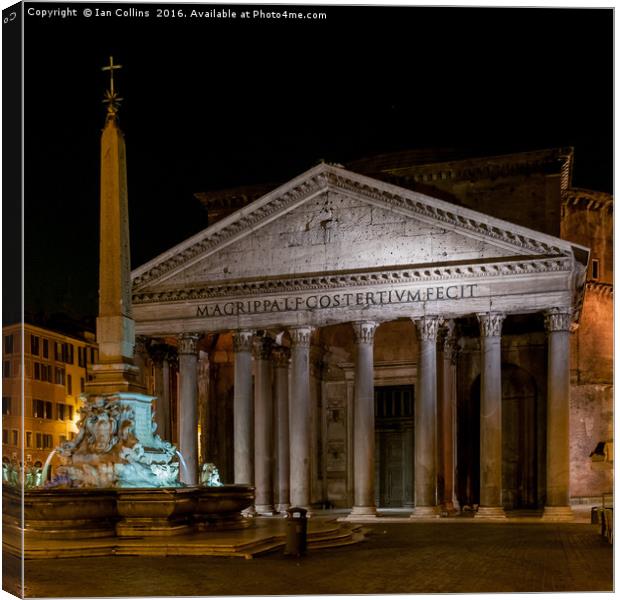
(299,416)
(557,506)
(364,421)
(188,406)
(491,416)
(426,420)
(243,408)
(263,428)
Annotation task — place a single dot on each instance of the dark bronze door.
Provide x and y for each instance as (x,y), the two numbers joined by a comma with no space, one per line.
(394,446)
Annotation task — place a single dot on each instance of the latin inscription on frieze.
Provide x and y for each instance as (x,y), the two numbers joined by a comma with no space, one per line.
(336,300)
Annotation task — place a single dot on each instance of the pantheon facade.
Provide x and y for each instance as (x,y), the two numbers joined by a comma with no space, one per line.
(388,335)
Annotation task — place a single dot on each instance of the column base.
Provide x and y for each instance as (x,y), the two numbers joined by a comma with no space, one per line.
(264,510)
(490,513)
(362,512)
(447,509)
(425,512)
(558,513)
(249,512)
(281,508)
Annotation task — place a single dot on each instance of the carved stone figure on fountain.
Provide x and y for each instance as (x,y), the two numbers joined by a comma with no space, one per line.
(108,452)
(210,476)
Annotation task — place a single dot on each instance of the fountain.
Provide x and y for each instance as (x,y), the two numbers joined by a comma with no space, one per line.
(118,480)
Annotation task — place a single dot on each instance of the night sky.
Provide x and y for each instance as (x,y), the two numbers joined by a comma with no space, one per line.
(212,103)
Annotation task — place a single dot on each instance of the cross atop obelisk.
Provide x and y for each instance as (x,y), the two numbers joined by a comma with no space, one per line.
(115,371)
(112,99)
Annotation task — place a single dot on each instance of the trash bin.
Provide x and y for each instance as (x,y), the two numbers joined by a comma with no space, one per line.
(296,531)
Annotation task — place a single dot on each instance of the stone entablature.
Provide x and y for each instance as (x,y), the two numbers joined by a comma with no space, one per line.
(371,277)
(510,294)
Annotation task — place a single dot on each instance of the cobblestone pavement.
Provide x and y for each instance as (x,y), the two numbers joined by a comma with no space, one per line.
(396,558)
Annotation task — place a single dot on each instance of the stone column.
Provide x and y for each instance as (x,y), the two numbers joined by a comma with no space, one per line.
(557,505)
(426,420)
(173,390)
(204,408)
(161,368)
(140,360)
(158,372)
(364,421)
(158,379)
(188,406)
(281,370)
(445,418)
(299,416)
(166,417)
(491,416)
(263,427)
(243,407)
(317,480)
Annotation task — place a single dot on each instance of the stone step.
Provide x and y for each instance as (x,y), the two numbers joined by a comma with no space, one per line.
(246,543)
(354,538)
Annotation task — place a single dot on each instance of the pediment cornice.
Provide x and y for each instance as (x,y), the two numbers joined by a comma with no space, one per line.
(358,279)
(324,178)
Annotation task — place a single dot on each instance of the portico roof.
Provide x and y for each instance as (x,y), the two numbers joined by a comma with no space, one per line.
(334,230)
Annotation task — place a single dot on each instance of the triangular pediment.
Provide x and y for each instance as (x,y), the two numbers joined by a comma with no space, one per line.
(329,221)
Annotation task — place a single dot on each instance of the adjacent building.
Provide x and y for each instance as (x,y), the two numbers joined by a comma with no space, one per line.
(52,367)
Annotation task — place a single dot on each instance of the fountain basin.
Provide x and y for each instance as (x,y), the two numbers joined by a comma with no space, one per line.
(221,507)
(86,513)
(173,511)
(60,514)
(155,512)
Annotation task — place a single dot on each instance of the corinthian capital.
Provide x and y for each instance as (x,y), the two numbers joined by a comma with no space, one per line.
(159,352)
(262,348)
(300,336)
(141,345)
(242,340)
(491,324)
(427,328)
(558,319)
(364,331)
(188,343)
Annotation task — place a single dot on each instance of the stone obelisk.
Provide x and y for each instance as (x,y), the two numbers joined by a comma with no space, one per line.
(114,371)
(116,444)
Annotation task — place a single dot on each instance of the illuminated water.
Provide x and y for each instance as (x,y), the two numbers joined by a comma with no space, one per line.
(183,471)
(46,466)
